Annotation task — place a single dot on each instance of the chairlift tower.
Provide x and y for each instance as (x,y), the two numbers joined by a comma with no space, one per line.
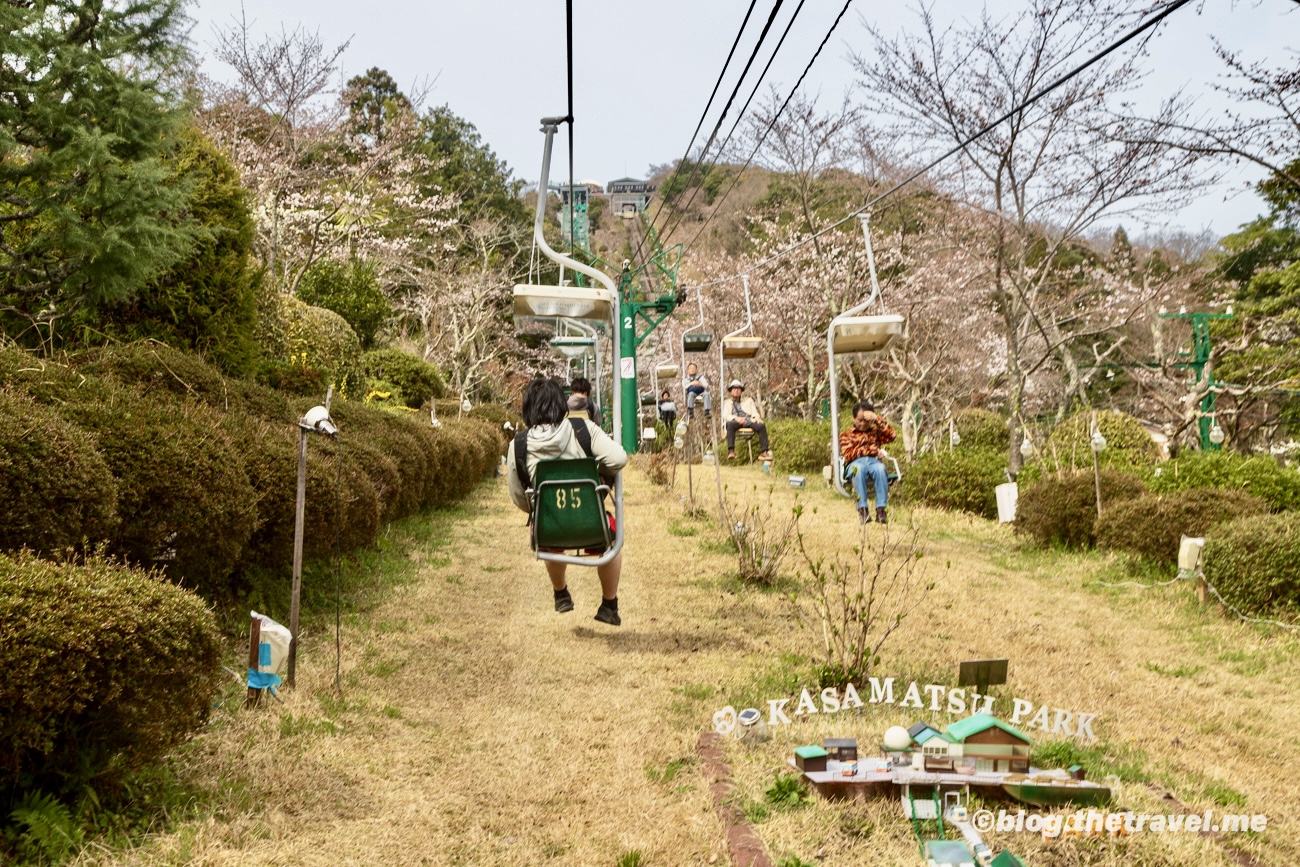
(648,295)
(1197,361)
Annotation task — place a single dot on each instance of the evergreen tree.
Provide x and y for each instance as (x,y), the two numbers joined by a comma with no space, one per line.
(208,302)
(92,209)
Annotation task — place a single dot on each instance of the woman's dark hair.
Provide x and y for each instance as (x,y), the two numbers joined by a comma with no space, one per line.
(544,403)
(861,405)
(581,385)
(664,394)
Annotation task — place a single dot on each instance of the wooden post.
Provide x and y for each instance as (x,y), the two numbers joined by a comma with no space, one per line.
(1202,591)
(254,644)
(297,551)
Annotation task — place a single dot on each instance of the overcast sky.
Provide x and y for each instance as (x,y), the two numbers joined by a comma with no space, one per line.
(643,70)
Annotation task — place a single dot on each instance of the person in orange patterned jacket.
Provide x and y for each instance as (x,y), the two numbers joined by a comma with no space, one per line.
(860,447)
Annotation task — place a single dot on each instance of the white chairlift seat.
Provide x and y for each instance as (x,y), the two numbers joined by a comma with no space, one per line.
(850,334)
(741,346)
(573,347)
(548,305)
(665,371)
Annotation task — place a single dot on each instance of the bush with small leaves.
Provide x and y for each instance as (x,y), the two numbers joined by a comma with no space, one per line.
(1254,474)
(102,669)
(1128,445)
(55,484)
(415,378)
(1151,526)
(800,446)
(1255,563)
(981,429)
(1063,511)
(961,480)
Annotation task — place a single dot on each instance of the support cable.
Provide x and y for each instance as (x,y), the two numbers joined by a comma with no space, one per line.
(964,143)
(776,7)
(736,181)
(722,148)
(659,205)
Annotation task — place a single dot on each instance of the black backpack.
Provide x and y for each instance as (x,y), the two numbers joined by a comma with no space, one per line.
(521,449)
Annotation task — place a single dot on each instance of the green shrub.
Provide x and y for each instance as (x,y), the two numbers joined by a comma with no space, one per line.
(56,486)
(308,342)
(1255,563)
(1064,511)
(417,379)
(1128,445)
(270,455)
(800,446)
(396,437)
(102,669)
(1257,474)
(49,381)
(208,302)
(982,429)
(350,289)
(184,499)
(1151,525)
(961,480)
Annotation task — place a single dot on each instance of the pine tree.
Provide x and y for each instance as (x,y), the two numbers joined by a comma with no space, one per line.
(91,207)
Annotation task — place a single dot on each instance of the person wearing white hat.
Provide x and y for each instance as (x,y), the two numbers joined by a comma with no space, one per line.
(743,412)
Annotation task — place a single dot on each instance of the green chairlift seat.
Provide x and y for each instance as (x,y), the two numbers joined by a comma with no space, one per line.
(568,506)
(696,342)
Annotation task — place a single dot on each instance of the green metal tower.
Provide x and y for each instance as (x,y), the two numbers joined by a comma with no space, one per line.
(1197,360)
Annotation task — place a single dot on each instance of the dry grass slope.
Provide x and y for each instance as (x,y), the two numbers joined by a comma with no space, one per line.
(478,727)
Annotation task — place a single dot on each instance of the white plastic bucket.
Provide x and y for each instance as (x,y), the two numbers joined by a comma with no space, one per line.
(1007,495)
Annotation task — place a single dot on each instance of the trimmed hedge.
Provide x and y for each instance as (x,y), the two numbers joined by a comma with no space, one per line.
(982,429)
(962,480)
(203,470)
(1255,563)
(800,446)
(313,339)
(1152,525)
(184,498)
(415,378)
(1128,445)
(1064,511)
(54,482)
(1256,474)
(102,668)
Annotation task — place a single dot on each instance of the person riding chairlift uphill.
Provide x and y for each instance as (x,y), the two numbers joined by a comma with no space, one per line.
(551,436)
(860,447)
(743,412)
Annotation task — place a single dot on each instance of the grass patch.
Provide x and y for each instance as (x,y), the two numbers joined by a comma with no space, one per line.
(1100,759)
(1180,671)
(656,774)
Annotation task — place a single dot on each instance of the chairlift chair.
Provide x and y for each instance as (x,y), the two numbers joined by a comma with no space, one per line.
(567,495)
(668,370)
(738,344)
(850,333)
(694,340)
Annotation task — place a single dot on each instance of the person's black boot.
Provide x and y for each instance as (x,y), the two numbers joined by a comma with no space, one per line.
(864,514)
(881,515)
(563,600)
(608,612)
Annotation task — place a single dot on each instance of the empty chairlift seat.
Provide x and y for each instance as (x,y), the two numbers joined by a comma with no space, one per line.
(741,346)
(548,305)
(852,334)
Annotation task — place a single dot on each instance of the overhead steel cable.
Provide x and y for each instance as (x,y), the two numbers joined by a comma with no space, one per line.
(963,144)
(722,148)
(659,206)
(772,123)
(568,32)
(762,37)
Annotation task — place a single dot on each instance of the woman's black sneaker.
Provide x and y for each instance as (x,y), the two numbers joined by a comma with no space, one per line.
(563,601)
(608,614)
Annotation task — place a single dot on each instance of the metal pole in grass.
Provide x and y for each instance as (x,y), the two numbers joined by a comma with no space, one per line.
(1098,444)
(317,420)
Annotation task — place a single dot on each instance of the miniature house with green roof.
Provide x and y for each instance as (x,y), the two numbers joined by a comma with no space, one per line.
(981,743)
